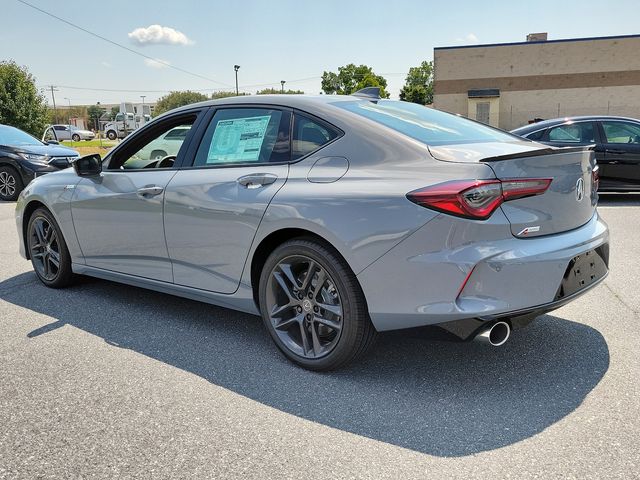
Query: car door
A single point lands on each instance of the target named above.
(214, 206)
(621, 165)
(62, 132)
(118, 215)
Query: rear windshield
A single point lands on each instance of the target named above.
(426, 125)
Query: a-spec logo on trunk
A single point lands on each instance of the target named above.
(579, 189)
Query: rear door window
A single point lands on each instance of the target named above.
(582, 132)
(238, 136)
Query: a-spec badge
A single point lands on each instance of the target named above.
(528, 230)
(579, 189)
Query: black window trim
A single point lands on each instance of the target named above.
(603, 133)
(195, 144)
(200, 114)
(189, 165)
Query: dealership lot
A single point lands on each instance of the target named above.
(107, 380)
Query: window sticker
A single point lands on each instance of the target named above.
(238, 139)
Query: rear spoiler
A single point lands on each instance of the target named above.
(539, 153)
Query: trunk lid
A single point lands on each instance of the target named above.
(568, 203)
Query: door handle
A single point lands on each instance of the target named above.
(150, 191)
(257, 180)
(615, 150)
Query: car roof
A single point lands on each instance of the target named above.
(557, 121)
(285, 100)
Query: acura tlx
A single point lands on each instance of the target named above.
(332, 217)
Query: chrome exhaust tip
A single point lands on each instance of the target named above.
(495, 335)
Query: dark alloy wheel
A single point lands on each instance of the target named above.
(313, 307)
(10, 184)
(48, 250)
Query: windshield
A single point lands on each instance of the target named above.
(13, 137)
(425, 124)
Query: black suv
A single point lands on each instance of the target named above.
(617, 141)
(23, 157)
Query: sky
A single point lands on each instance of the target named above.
(271, 40)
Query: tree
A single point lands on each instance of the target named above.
(225, 94)
(351, 78)
(177, 99)
(418, 86)
(95, 112)
(271, 91)
(21, 105)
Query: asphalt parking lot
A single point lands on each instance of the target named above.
(104, 381)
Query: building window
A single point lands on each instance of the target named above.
(482, 112)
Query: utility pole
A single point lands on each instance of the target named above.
(236, 68)
(69, 121)
(53, 97)
(282, 82)
(144, 119)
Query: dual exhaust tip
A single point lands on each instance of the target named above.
(495, 334)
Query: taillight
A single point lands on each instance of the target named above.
(595, 178)
(476, 199)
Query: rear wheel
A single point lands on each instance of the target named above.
(10, 184)
(49, 254)
(313, 306)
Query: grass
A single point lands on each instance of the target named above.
(90, 143)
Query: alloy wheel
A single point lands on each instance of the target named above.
(45, 248)
(7, 184)
(304, 306)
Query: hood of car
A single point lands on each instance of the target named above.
(50, 150)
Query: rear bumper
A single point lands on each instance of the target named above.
(452, 269)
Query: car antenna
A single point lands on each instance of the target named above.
(370, 93)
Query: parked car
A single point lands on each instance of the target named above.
(23, 157)
(333, 217)
(616, 140)
(67, 132)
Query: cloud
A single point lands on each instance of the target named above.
(158, 35)
(159, 63)
(468, 38)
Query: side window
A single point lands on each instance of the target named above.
(621, 132)
(535, 136)
(151, 150)
(309, 135)
(59, 127)
(582, 132)
(119, 117)
(245, 135)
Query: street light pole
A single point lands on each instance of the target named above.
(69, 120)
(282, 82)
(236, 68)
(144, 119)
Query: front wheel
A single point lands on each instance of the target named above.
(48, 251)
(75, 137)
(10, 184)
(111, 135)
(313, 306)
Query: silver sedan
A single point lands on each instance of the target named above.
(332, 217)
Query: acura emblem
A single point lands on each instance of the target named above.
(579, 189)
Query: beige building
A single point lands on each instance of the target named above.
(509, 85)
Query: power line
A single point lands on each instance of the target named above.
(131, 50)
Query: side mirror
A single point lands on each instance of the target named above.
(52, 142)
(88, 166)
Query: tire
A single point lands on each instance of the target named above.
(111, 135)
(44, 239)
(10, 184)
(75, 137)
(332, 340)
(157, 155)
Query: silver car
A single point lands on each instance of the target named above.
(67, 132)
(332, 217)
